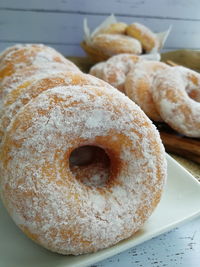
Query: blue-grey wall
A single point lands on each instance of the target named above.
(59, 22)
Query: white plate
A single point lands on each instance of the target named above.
(180, 202)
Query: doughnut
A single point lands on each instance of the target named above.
(30, 89)
(115, 69)
(82, 167)
(20, 56)
(47, 201)
(112, 44)
(138, 86)
(147, 38)
(192, 81)
(176, 95)
(113, 28)
(21, 62)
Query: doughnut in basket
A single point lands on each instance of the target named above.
(82, 167)
(112, 38)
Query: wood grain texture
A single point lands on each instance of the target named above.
(164, 9)
(186, 147)
(59, 23)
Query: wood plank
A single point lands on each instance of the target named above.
(180, 145)
(163, 8)
(64, 29)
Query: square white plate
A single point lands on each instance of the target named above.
(180, 202)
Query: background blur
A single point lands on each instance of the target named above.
(58, 23)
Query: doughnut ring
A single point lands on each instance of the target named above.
(176, 95)
(82, 167)
(138, 86)
(146, 37)
(44, 197)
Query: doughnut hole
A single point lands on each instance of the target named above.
(91, 165)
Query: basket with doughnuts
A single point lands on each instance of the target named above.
(82, 167)
(112, 37)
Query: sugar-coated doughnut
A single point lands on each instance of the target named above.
(20, 56)
(31, 88)
(147, 38)
(21, 62)
(112, 44)
(176, 94)
(115, 69)
(138, 86)
(82, 167)
(43, 196)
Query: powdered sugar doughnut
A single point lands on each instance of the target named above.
(112, 44)
(146, 37)
(17, 57)
(176, 95)
(31, 88)
(115, 69)
(138, 86)
(21, 63)
(44, 197)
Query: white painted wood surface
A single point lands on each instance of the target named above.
(177, 248)
(59, 22)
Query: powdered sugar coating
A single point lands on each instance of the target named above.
(115, 69)
(36, 84)
(18, 63)
(191, 80)
(19, 56)
(41, 194)
(175, 105)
